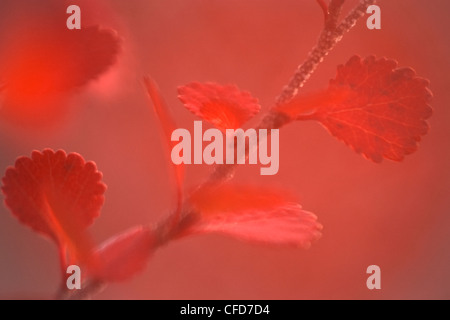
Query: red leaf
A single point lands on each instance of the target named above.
(50, 60)
(168, 126)
(375, 108)
(42, 64)
(125, 255)
(57, 195)
(254, 214)
(224, 106)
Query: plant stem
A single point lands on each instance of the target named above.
(329, 37)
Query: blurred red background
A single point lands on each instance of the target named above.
(394, 215)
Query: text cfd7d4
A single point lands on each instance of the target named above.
(246, 309)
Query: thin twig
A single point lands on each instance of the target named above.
(334, 11)
(329, 37)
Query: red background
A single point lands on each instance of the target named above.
(394, 215)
